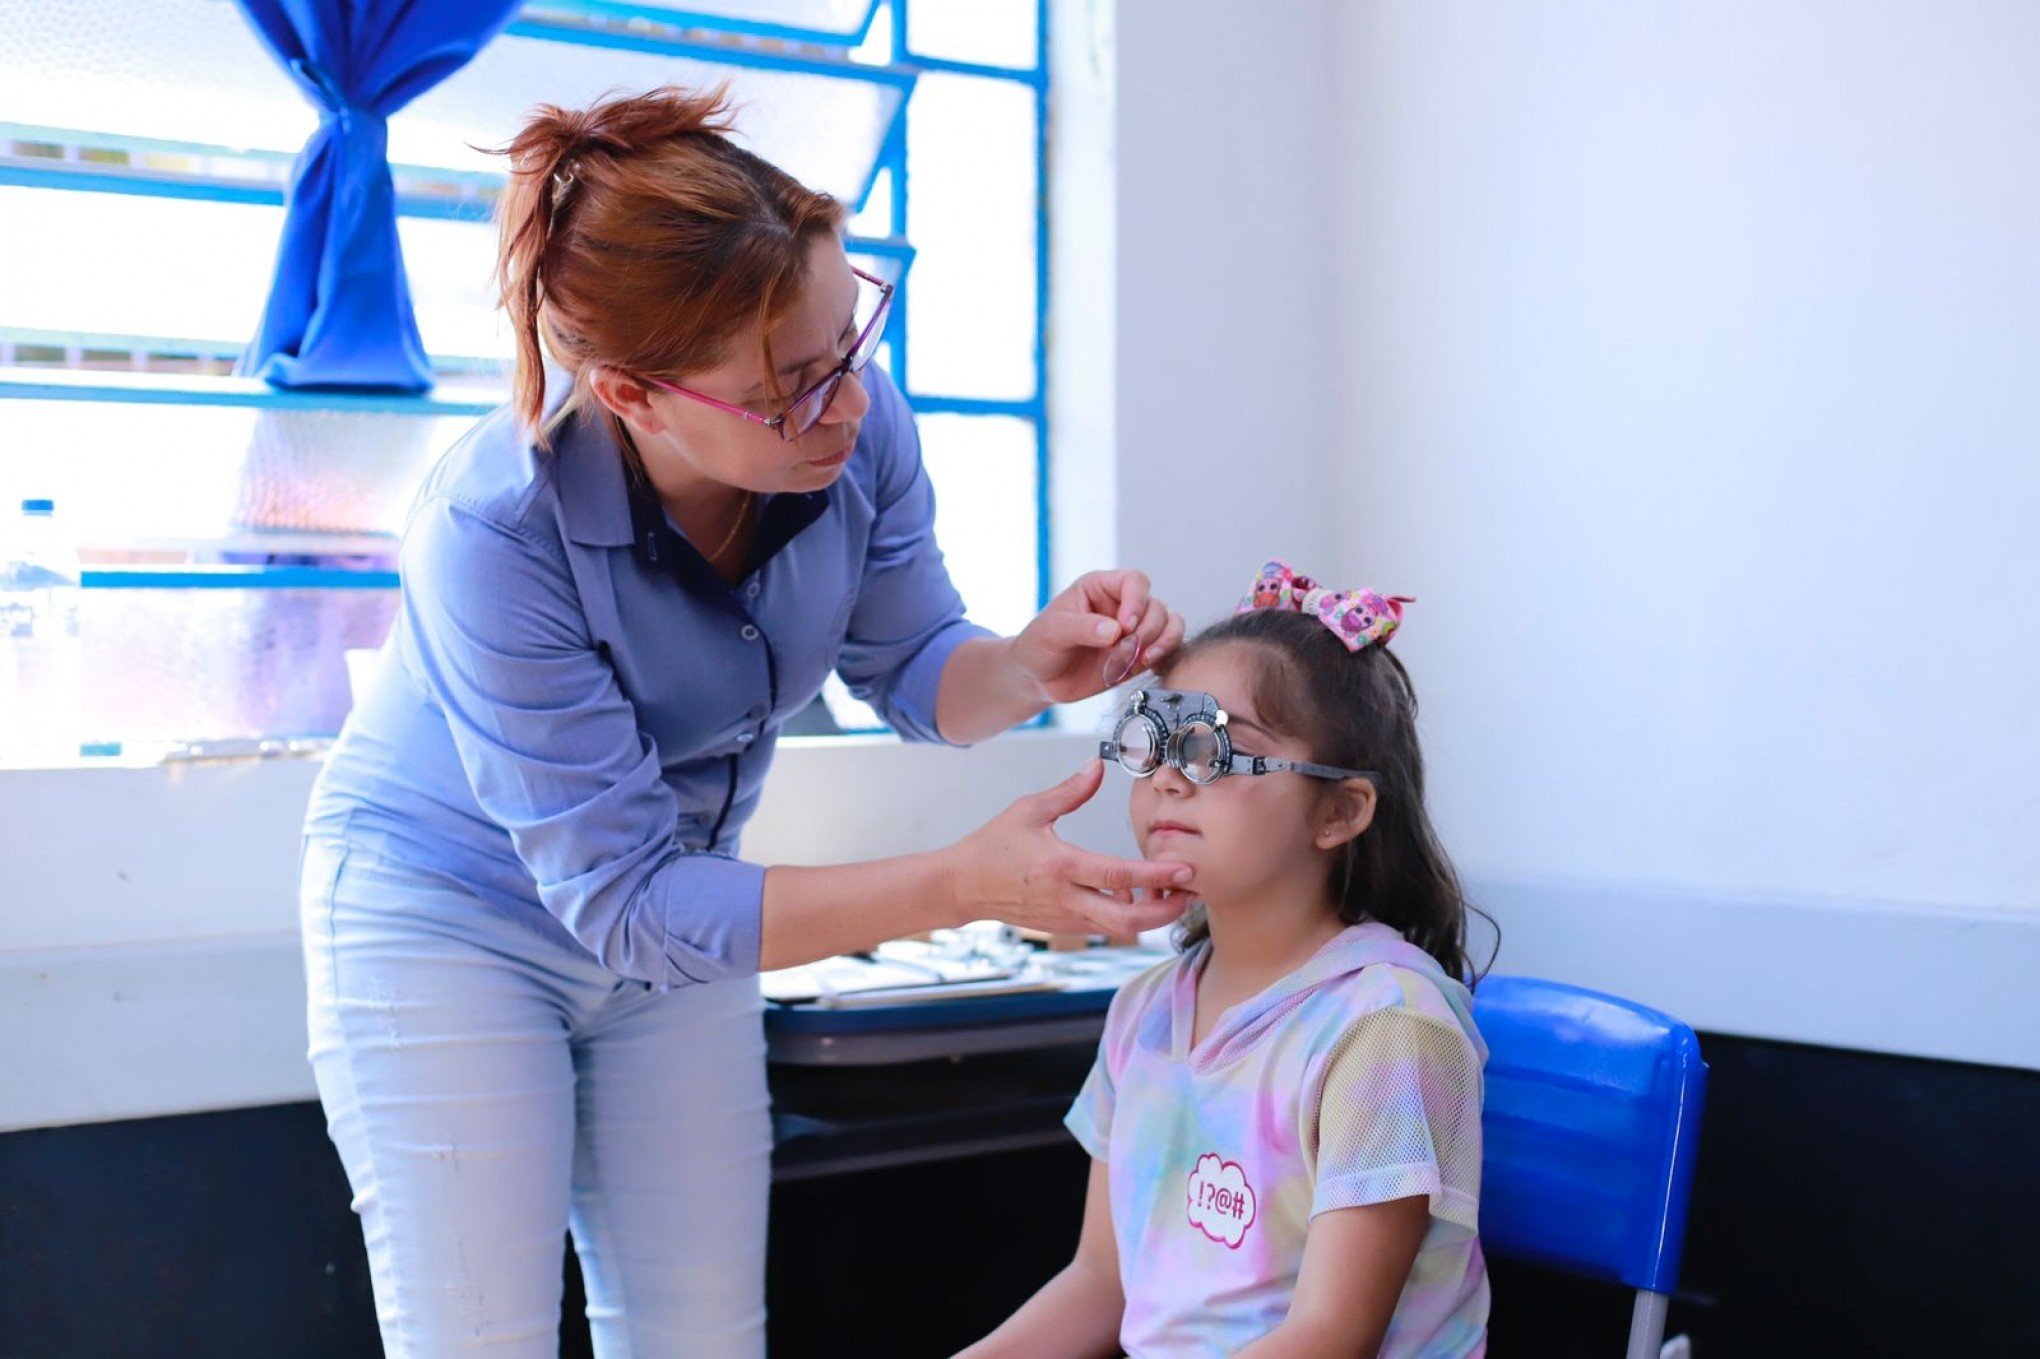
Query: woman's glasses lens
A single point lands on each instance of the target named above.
(804, 414)
(873, 301)
(874, 336)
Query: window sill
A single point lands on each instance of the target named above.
(168, 389)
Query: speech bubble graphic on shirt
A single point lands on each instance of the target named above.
(1222, 1204)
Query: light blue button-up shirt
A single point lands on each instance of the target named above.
(575, 714)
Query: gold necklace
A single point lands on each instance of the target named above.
(742, 510)
(636, 466)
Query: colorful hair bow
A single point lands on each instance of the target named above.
(1356, 617)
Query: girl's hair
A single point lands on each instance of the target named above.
(635, 234)
(1356, 710)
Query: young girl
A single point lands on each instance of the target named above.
(1285, 1119)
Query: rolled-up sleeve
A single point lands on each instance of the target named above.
(908, 618)
(552, 749)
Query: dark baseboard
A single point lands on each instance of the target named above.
(1849, 1204)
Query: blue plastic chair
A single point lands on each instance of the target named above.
(1591, 1122)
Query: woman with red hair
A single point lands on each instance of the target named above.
(529, 937)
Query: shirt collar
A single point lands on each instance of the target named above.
(594, 501)
(657, 544)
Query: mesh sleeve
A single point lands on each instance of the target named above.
(1398, 1115)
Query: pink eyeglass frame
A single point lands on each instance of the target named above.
(831, 380)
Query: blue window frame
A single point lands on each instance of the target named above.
(964, 178)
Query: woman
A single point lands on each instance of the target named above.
(528, 936)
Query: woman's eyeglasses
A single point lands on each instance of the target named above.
(806, 410)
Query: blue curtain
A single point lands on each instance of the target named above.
(339, 313)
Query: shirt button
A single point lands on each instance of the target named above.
(747, 738)
(749, 634)
(752, 589)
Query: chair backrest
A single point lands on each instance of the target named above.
(1592, 1118)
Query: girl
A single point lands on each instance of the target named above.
(1285, 1119)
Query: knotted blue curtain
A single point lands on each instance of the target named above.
(339, 312)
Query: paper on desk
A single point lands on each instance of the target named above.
(885, 974)
(907, 971)
(1026, 980)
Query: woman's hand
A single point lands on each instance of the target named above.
(1094, 634)
(1016, 869)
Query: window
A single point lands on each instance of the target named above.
(238, 538)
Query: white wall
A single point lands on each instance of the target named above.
(1693, 350)
(1679, 358)
(1083, 243)
(1225, 347)
(1692, 354)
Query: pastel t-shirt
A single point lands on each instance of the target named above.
(1354, 1080)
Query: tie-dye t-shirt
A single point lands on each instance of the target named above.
(1354, 1080)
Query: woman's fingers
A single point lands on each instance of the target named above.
(1170, 637)
(1050, 805)
(1149, 913)
(1064, 630)
(1133, 598)
(1121, 594)
(1105, 915)
(1103, 872)
(1153, 621)
(1018, 870)
(1122, 660)
(1112, 609)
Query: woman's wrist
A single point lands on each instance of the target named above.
(1029, 691)
(957, 898)
(812, 912)
(986, 690)
(1019, 695)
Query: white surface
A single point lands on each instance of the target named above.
(127, 857)
(168, 1027)
(1082, 364)
(1923, 981)
(1226, 391)
(1692, 348)
(1678, 358)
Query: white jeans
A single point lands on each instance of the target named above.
(488, 1089)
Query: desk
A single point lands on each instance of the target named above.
(865, 1087)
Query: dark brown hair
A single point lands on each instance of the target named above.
(1354, 710)
(635, 234)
